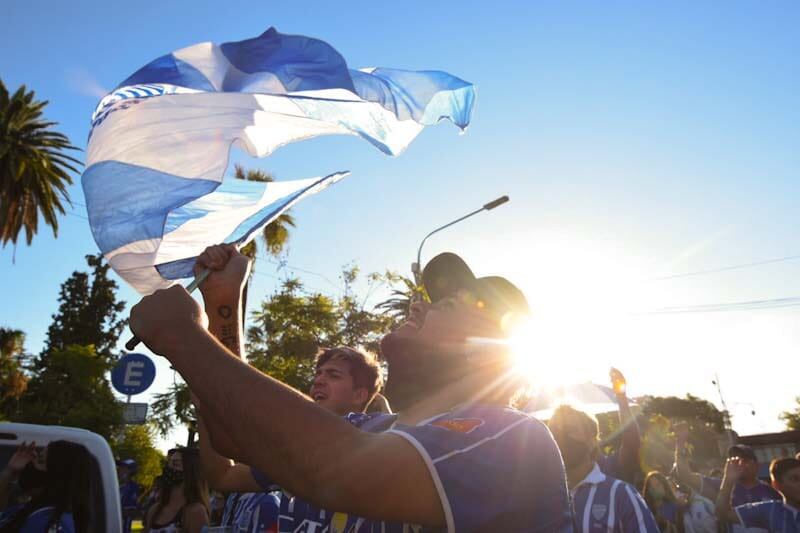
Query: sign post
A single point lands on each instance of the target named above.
(133, 374)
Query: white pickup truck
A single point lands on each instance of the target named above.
(106, 516)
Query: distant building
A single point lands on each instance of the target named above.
(769, 446)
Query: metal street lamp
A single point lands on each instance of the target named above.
(415, 267)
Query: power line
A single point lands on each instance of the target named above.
(726, 268)
(751, 305)
(75, 214)
(284, 264)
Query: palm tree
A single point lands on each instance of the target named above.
(174, 407)
(276, 233)
(398, 305)
(33, 167)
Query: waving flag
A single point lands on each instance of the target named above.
(159, 143)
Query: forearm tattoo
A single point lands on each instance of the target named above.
(229, 332)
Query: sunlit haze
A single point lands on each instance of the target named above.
(637, 142)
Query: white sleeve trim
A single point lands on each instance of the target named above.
(448, 511)
(636, 507)
(739, 515)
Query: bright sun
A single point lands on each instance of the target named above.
(581, 321)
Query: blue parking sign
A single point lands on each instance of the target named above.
(133, 374)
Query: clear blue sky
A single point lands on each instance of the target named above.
(635, 141)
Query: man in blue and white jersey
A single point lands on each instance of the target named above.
(747, 489)
(775, 516)
(601, 502)
(456, 458)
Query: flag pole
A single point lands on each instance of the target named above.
(134, 341)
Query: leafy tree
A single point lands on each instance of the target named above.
(292, 325)
(659, 414)
(33, 167)
(792, 418)
(275, 234)
(171, 408)
(137, 443)
(69, 384)
(70, 388)
(88, 313)
(289, 328)
(13, 381)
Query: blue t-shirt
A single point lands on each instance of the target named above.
(496, 469)
(252, 512)
(761, 492)
(774, 516)
(38, 520)
(741, 495)
(128, 496)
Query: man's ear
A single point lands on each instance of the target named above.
(776, 485)
(361, 396)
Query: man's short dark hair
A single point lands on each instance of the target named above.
(364, 367)
(780, 467)
(565, 413)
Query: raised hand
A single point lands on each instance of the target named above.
(163, 318)
(618, 382)
(25, 453)
(229, 272)
(733, 470)
(681, 430)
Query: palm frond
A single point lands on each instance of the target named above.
(34, 168)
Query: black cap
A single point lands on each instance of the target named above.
(447, 273)
(743, 451)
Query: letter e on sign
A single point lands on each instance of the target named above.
(133, 374)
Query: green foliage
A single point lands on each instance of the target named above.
(71, 389)
(33, 167)
(13, 381)
(690, 408)
(137, 443)
(171, 408)
(292, 325)
(398, 305)
(660, 414)
(792, 418)
(275, 235)
(69, 383)
(88, 313)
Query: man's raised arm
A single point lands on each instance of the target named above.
(222, 296)
(725, 511)
(305, 449)
(682, 468)
(631, 442)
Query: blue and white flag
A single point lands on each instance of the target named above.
(160, 142)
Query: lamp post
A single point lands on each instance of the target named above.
(415, 267)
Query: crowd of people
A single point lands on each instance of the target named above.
(437, 447)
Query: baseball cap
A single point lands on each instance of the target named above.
(130, 463)
(447, 274)
(743, 451)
